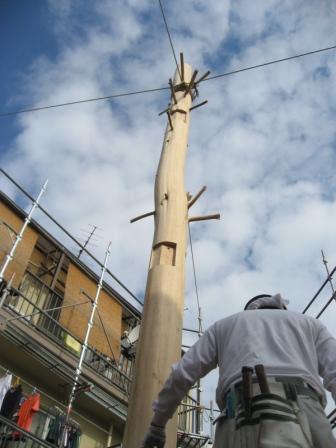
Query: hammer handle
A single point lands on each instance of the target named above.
(262, 379)
(247, 389)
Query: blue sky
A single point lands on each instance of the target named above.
(264, 145)
(26, 34)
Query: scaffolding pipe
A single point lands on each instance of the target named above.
(73, 239)
(320, 289)
(9, 257)
(85, 343)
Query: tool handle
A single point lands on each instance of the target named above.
(262, 379)
(247, 389)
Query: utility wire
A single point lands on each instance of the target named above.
(276, 61)
(170, 39)
(121, 95)
(72, 238)
(70, 103)
(195, 279)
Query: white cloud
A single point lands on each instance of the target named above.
(264, 145)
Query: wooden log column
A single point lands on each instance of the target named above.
(160, 339)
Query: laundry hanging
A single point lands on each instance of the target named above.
(11, 401)
(27, 410)
(5, 383)
(63, 433)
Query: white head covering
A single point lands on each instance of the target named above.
(276, 301)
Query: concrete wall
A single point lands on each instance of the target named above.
(24, 250)
(76, 319)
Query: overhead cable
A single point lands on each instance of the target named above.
(276, 61)
(88, 100)
(73, 239)
(138, 92)
(195, 281)
(170, 39)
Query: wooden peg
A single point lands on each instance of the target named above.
(170, 121)
(164, 111)
(145, 215)
(172, 90)
(202, 78)
(182, 66)
(191, 84)
(198, 105)
(193, 199)
(204, 218)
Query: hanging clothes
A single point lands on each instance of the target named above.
(5, 383)
(62, 433)
(11, 401)
(74, 438)
(46, 428)
(27, 410)
(54, 429)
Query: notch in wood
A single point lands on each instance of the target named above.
(182, 66)
(191, 84)
(198, 105)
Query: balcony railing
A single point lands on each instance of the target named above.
(32, 301)
(190, 416)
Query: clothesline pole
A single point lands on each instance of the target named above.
(85, 344)
(18, 239)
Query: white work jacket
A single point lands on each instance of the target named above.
(287, 343)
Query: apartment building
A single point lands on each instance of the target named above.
(44, 315)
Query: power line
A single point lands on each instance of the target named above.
(72, 238)
(70, 103)
(276, 61)
(121, 95)
(195, 279)
(170, 39)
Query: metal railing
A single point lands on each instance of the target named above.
(13, 435)
(189, 416)
(33, 300)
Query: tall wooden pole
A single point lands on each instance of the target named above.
(159, 344)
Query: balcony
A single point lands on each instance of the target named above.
(190, 424)
(34, 304)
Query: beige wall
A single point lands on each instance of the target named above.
(24, 250)
(76, 319)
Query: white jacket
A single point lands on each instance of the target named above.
(285, 342)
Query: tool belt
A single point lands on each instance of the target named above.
(286, 387)
(266, 412)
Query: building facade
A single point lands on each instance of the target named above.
(46, 301)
